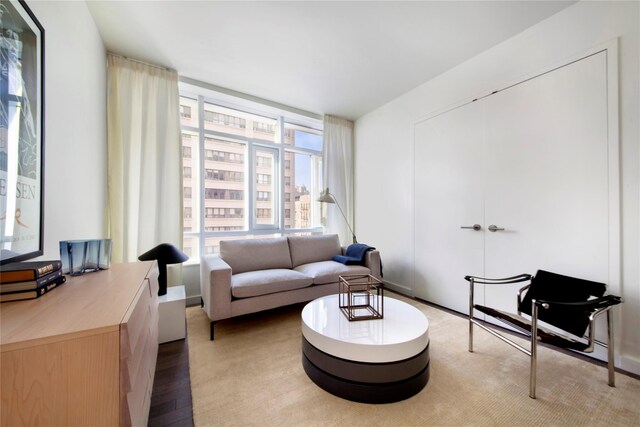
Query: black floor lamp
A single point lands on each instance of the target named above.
(165, 253)
(327, 197)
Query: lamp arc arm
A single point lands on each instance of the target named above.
(353, 235)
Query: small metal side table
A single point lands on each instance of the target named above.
(171, 315)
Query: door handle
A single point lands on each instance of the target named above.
(475, 227)
(493, 228)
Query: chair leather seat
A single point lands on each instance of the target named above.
(524, 325)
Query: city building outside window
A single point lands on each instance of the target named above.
(247, 175)
(264, 213)
(185, 112)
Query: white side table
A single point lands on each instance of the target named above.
(171, 315)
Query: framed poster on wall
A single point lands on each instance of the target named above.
(21, 132)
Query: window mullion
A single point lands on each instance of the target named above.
(251, 193)
(201, 201)
(281, 172)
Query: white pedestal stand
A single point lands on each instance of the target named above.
(171, 314)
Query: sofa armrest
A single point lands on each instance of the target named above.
(372, 262)
(215, 287)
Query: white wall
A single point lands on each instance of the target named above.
(75, 124)
(384, 143)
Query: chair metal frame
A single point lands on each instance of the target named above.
(596, 306)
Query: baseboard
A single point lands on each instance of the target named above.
(193, 300)
(630, 364)
(404, 290)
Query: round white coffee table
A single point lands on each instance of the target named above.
(373, 361)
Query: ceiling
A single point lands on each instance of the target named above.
(325, 57)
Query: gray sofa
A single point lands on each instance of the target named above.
(260, 274)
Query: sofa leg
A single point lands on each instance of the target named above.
(201, 303)
(212, 322)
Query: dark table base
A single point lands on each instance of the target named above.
(366, 382)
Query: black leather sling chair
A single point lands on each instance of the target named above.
(567, 303)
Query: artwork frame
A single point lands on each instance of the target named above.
(21, 133)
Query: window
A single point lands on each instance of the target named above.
(264, 213)
(223, 213)
(264, 127)
(185, 112)
(307, 169)
(188, 112)
(223, 194)
(303, 137)
(263, 162)
(235, 157)
(243, 177)
(222, 175)
(214, 119)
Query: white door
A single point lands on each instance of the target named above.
(449, 194)
(547, 177)
(532, 159)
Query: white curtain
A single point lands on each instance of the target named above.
(338, 175)
(144, 158)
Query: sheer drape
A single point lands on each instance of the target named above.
(338, 175)
(144, 158)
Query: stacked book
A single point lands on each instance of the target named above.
(29, 279)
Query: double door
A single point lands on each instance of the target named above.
(528, 167)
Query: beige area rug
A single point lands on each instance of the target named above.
(252, 375)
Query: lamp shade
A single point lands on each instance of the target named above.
(326, 197)
(164, 253)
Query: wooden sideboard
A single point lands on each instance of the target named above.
(83, 354)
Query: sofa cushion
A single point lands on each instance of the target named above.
(324, 272)
(307, 249)
(255, 254)
(255, 283)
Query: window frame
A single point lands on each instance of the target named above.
(251, 228)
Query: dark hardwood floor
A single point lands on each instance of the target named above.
(171, 396)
